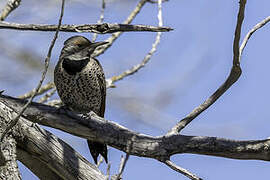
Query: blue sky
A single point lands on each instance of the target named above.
(190, 64)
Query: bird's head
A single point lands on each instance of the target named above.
(79, 47)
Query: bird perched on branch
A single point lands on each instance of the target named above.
(80, 83)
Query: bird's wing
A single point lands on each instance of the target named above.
(102, 85)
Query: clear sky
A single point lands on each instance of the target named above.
(191, 62)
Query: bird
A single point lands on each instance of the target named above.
(80, 82)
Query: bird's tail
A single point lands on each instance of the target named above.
(97, 148)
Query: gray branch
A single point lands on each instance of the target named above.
(160, 148)
(8, 165)
(39, 149)
(231, 79)
(94, 28)
(10, 6)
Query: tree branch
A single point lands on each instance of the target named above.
(39, 149)
(10, 6)
(160, 148)
(8, 164)
(47, 62)
(41, 90)
(95, 28)
(232, 78)
(101, 18)
(110, 82)
(249, 34)
(133, 14)
(180, 170)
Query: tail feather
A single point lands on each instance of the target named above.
(97, 148)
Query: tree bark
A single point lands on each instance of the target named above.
(160, 147)
(46, 155)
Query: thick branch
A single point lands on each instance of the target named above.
(56, 158)
(8, 164)
(95, 28)
(47, 62)
(147, 146)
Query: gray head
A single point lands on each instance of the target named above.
(79, 47)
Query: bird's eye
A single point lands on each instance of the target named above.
(79, 45)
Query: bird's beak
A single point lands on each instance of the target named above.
(96, 44)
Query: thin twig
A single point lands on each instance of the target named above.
(154, 2)
(41, 90)
(232, 78)
(124, 160)
(108, 171)
(83, 28)
(47, 62)
(134, 69)
(10, 6)
(249, 34)
(101, 159)
(181, 170)
(122, 166)
(133, 14)
(47, 96)
(55, 103)
(101, 19)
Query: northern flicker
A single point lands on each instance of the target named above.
(80, 83)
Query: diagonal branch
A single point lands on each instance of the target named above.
(10, 6)
(110, 82)
(249, 34)
(39, 149)
(95, 28)
(232, 78)
(133, 14)
(41, 90)
(180, 170)
(101, 19)
(47, 62)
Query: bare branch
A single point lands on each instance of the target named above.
(133, 14)
(232, 78)
(110, 82)
(108, 171)
(101, 160)
(122, 166)
(249, 34)
(8, 164)
(55, 103)
(153, 1)
(41, 90)
(39, 149)
(47, 62)
(124, 160)
(10, 6)
(47, 96)
(181, 170)
(95, 28)
(160, 147)
(101, 18)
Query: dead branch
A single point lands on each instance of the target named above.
(232, 78)
(95, 28)
(160, 147)
(10, 6)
